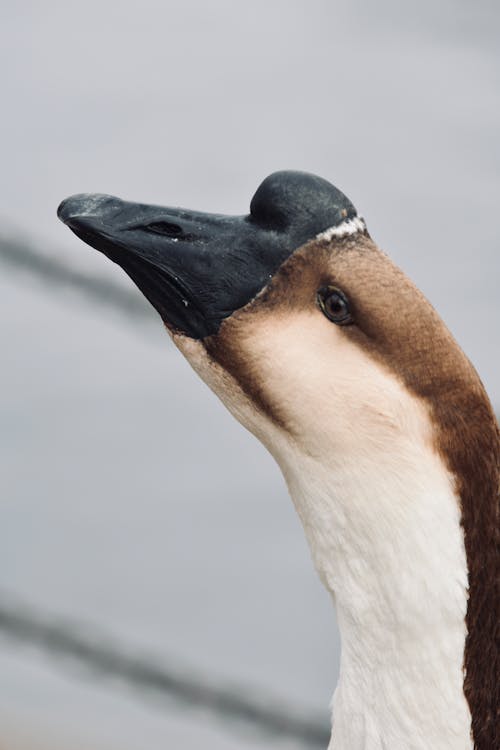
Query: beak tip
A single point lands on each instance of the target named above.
(62, 210)
(81, 205)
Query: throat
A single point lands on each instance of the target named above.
(389, 547)
(401, 682)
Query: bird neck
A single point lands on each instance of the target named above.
(387, 543)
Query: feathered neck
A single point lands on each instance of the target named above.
(385, 535)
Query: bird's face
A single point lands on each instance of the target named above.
(292, 315)
(318, 361)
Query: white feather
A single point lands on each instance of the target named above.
(350, 226)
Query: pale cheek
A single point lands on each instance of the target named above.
(334, 399)
(331, 393)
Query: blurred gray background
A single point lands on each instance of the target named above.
(131, 504)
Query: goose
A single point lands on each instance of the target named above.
(321, 347)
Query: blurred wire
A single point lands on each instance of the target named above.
(21, 257)
(102, 655)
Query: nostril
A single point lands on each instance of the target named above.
(166, 228)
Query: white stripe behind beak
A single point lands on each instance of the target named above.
(351, 226)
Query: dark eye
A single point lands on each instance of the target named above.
(334, 305)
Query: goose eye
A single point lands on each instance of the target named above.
(333, 303)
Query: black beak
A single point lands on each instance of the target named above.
(198, 268)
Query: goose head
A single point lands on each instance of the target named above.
(294, 317)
